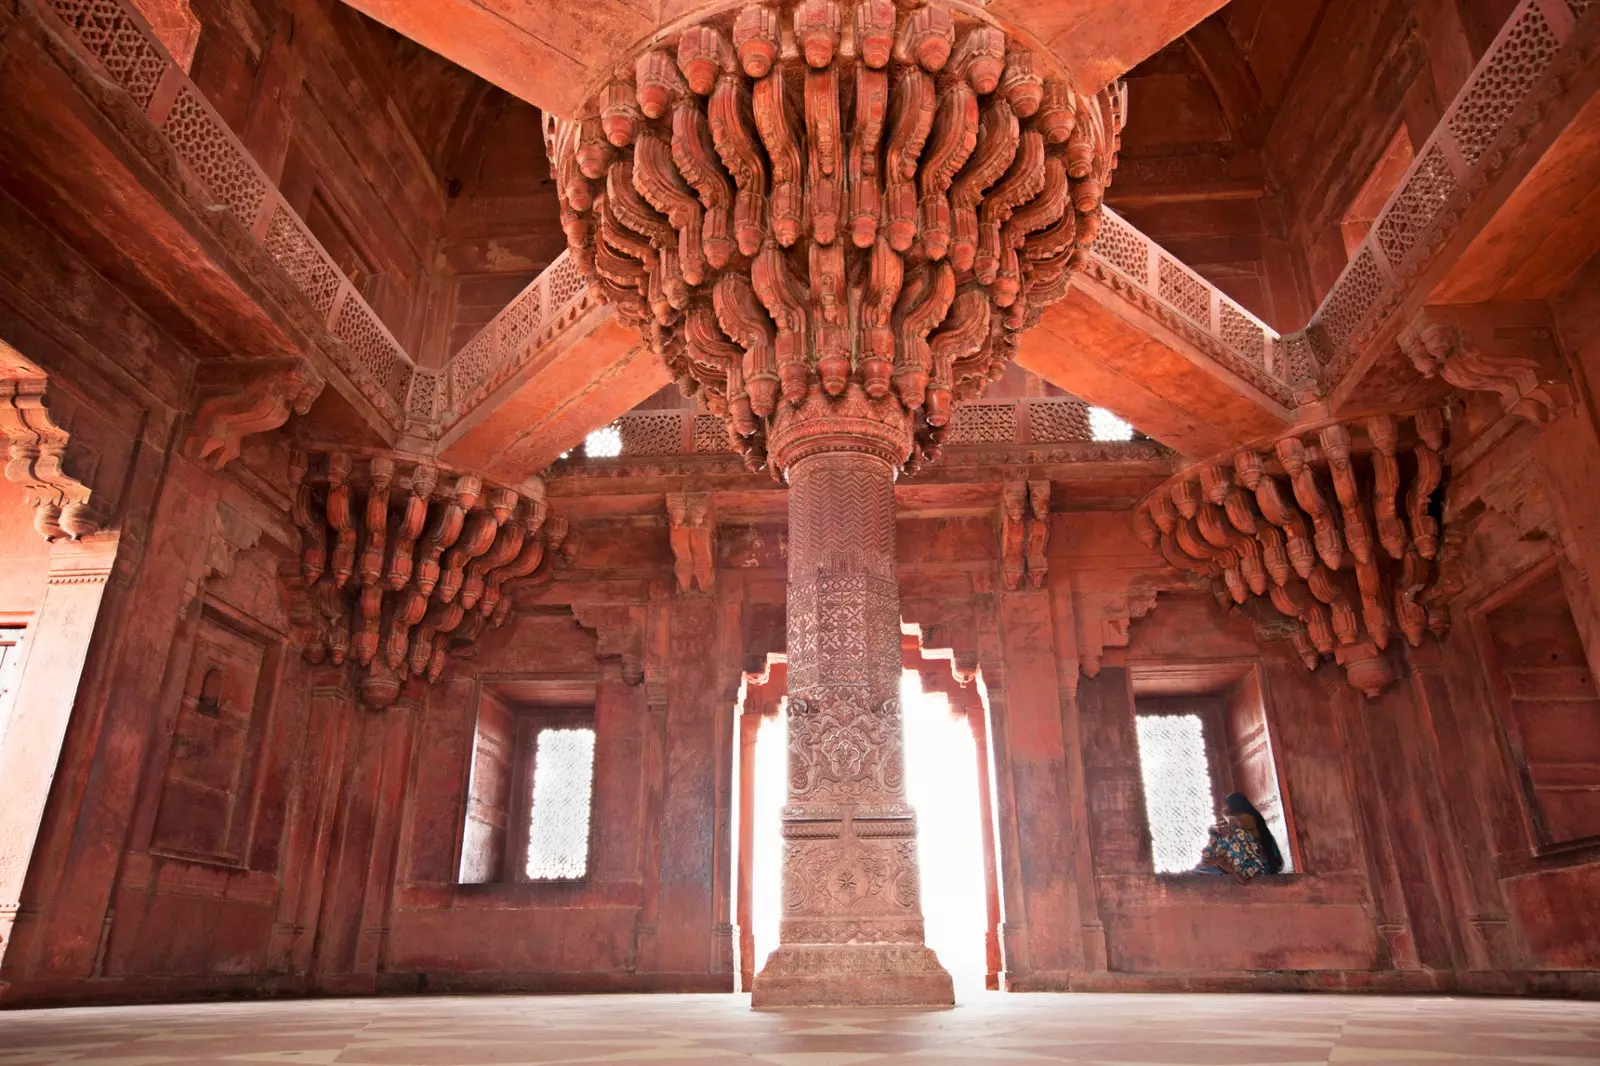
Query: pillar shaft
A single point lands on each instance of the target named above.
(851, 931)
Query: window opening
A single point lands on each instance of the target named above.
(1103, 425)
(1177, 788)
(563, 794)
(603, 443)
(942, 786)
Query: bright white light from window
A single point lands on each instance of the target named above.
(942, 786)
(603, 443)
(766, 875)
(563, 792)
(1103, 425)
(1177, 788)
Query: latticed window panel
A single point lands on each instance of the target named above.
(710, 435)
(983, 423)
(1177, 788)
(424, 394)
(203, 143)
(296, 253)
(1579, 7)
(470, 367)
(1430, 187)
(1053, 421)
(110, 34)
(563, 798)
(1185, 292)
(566, 282)
(1241, 334)
(1354, 294)
(1513, 68)
(651, 434)
(1295, 360)
(372, 347)
(1121, 246)
(520, 319)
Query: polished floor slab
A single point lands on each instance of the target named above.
(1116, 1030)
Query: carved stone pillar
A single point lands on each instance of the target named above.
(832, 222)
(851, 931)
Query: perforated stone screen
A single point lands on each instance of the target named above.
(1177, 788)
(563, 794)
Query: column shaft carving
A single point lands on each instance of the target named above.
(852, 929)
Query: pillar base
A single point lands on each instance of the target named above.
(852, 975)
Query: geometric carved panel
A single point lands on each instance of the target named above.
(206, 789)
(1549, 708)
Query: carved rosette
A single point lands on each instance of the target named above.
(1328, 536)
(401, 565)
(803, 198)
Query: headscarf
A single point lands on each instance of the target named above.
(1238, 803)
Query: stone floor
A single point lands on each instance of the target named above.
(711, 1030)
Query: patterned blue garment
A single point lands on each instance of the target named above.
(1236, 851)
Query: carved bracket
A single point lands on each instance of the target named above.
(1024, 532)
(693, 535)
(236, 402)
(400, 567)
(620, 629)
(37, 459)
(1328, 525)
(1453, 344)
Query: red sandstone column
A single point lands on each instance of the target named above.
(851, 931)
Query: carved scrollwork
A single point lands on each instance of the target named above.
(236, 402)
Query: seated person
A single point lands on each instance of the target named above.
(1240, 843)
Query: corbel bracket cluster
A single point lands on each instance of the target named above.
(38, 457)
(1334, 525)
(402, 564)
(1024, 533)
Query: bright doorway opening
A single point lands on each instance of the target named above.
(943, 784)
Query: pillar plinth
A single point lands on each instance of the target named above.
(851, 931)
